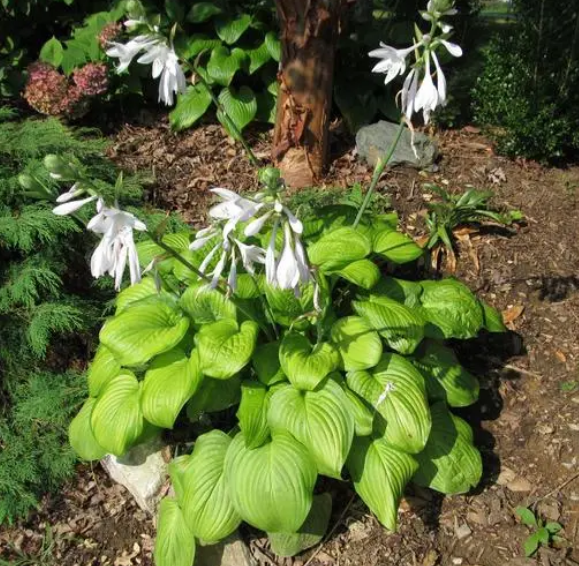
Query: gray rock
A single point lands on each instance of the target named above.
(143, 471)
(374, 141)
(229, 552)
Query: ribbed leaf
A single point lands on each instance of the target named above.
(396, 247)
(406, 292)
(225, 347)
(206, 504)
(319, 419)
(80, 434)
(143, 290)
(101, 370)
(450, 463)
(358, 343)
(117, 418)
(451, 309)
(363, 273)
(177, 470)
(395, 388)
(223, 64)
(175, 543)
(266, 363)
(304, 364)
(271, 486)
(380, 474)
(170, 381)
(309, 534)
(258, 57)
(338, 248)
(198, 43)
(493, 320)
(205, 305)
(203, 11)
(214, 395)
(401, 327)
(143, 331)
(273, 45)
(240, 107)
(252, 414)
(362, 412)
(230, 30)
(446, 380)
(191, 106)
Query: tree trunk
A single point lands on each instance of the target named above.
(309, 34)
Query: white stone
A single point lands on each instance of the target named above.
(229, 552)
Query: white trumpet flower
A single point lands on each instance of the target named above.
(126, 52)
(427, 98)
(165, 65)
(69, 206)
(393, 61)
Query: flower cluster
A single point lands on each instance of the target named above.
(92, 79)
(419, 93)
(109, 33)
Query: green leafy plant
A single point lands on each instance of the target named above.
(544, 533)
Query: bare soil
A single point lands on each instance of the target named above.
(526, 423)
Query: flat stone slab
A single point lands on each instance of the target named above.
(374, 141)
(229, 552)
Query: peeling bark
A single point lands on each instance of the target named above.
(309, 34)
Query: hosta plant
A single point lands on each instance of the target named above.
(293, 340)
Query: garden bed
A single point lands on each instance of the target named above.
(527, 421)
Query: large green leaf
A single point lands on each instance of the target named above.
(225, 347)
(240, 106)
(144, 330)
(304, 364)
(397, 247)
(396, 389)
(177, 469)
(450, 463)
(380, 473)
(401, 327)
(117, 418)
(191, 106)
(170, 381)
(101, 370)
(493, 318)
(143, 290)
(214, 395)
(362, 412)
(231, 29)
(205, 305)
(446, 380)
(451, 309)
(320, 420)
(206, 503)
(223, 64)
(252, 413)
(52, 52)
(358, 343)
(175, 543)
(271, 486)
(258, 57)
(198, 43)
(286, 307)
(406, 292)
(273, 45)
(266, 363)
(364, 273)
(80, 434)
(309, 534)
(336, 249)
(203, 11)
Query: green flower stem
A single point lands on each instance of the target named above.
(378, 170)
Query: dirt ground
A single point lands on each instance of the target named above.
(526, 423)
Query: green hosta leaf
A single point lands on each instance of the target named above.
(214, 395)
(142, 331)
(191, 106)
(397, 247)
(177, 469)
(266, 107)
(449, 463)
(338, 248)
(358, 343)
(240, 107)
(267, 365)
(203, 11)
(258, 57)
(493, 320)
(362, 412)
(395, 388)
(406, 292)
(380, 474)
(103, 368)
(286, 307)
(175, 543)
(80, 434)
(309, 534)
(446, 380)
(451, 309)
(223, 64)
(230, 30)
(170, 381)
(206, 503)
(363, 273)
(252, 414)
(271, 486)
(52, 52)
(273, 45)
(205, 305)
(198, 43)
(225, 347)
(143, 290)
(319, 419)
(175, 10)
(401, 327)
(117, 418)
(306, 365)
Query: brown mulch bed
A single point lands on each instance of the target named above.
(527, 421)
